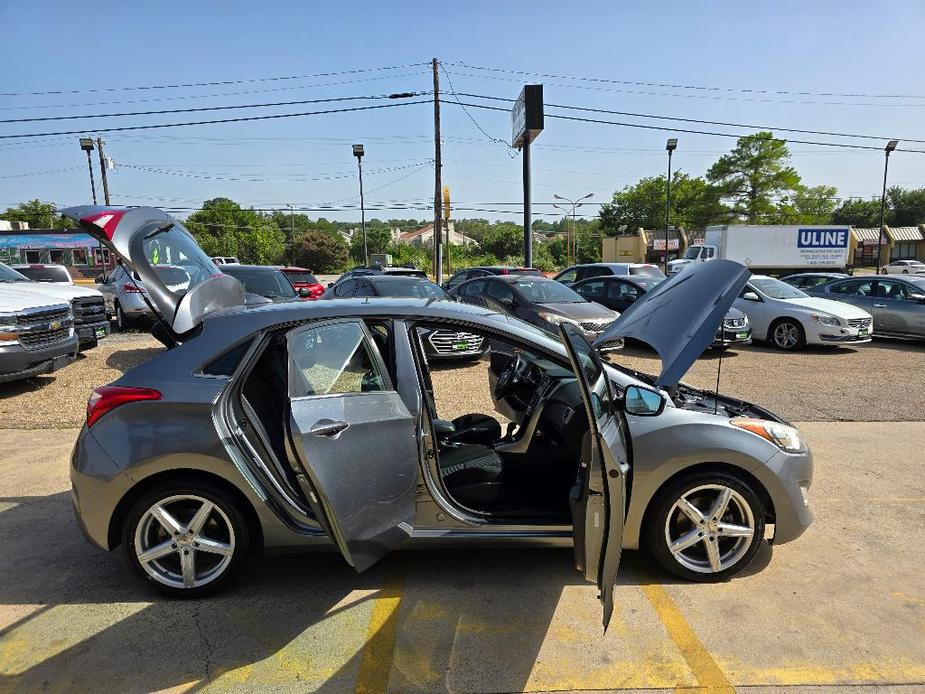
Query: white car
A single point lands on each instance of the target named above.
(226, 260)
(790, 319)
(89, 312)
(903, 267)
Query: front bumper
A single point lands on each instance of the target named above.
(733, 336)
(89, 334)
(820, 334)
(787, 477)
(17, 363)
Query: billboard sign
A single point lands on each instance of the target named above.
(659, 244)
(527, 115)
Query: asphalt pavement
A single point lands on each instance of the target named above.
(841, 609)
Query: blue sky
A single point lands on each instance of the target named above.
(831, 47)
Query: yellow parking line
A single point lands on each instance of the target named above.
(379, 649)
(710, 677)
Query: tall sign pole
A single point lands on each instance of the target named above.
(526, 124)
(99, 148)
(438, 187)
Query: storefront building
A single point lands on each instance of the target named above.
(645, 246)
(69, 247)
(898, 243)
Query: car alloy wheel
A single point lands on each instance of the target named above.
(710, 528)
(184, 541)
(121, 319)
(787, 335)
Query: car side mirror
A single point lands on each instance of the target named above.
(751, 296)
(98, 279)
(304, 293)
(917, 297)
(330, 284)
(642, 402)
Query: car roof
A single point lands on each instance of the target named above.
(394, 278)
(238, 266)
(818, 274)
(293, 268)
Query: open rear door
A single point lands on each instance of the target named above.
(354, 439)
(598, 498)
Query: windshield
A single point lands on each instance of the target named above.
(411, 287)
(266, 282)
(45, 273)
(776, 289)
(647, 271)
(691, 252)
(647, 283)
(301, 277)
(403, 273)
(8, 274)
(917, 281)
(176, 258)
(544, 291)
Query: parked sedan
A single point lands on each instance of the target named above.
(126, 298)
(577, 273)
(470, 273)
(281, 444)
(265, 281)
(897, 304)
(619, 293)
(808, 280)
(903, 267)
(790, 319)
(301, 278)
(537, 300)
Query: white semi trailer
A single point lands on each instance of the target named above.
(771, 249)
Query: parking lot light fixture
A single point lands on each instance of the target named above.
(358, 153)
(571, 240)
(86, 144)
(670, 147)
(890, 146)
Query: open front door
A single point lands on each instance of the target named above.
(354, 439)
(598, 498)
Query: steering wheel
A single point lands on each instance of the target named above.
(509, 377)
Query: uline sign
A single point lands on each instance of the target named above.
(822, 238)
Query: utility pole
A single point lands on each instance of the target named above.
(99, 147)
(890, 146)
(438, 183)
(291, 232)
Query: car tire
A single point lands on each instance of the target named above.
(666, 524)
(123, 322)
(883, 271)
(787, 334)
(223, 529)
(905, 272)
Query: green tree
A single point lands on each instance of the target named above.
(755, 172)
(503, 239)
(807, 205)
(223, 227)
(694, 204)
(38, 214)
(320, 251)
(859, 213)
(378, 238)
(907, 207)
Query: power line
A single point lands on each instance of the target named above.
(43, 173)
(661, 128)
(496, 140)
(214, 177)
(200, 109)
(703, 122)
(214, 122)
(662, 85)
(218, 83)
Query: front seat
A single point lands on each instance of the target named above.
(474, 475)
(479, 429)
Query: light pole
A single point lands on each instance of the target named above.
(575, 204)
(86, 144)
(670, 147)
(358, 153)
(890, 146)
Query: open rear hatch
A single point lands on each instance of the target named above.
(182, 282)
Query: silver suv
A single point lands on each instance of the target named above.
(125, 293)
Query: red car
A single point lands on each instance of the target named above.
(302, 278)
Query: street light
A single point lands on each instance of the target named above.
(358, 153)
(890, 146)
(670, 146)
(86, 144)
(575, 204)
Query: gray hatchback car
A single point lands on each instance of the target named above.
(306, 424)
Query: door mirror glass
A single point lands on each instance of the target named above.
(304, 293)
(642, 402)
(917, 297)
(750, 296)
(98, 279)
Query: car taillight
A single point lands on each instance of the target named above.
(130, 288)
(106, 398)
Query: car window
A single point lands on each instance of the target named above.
(898, 291)
(457, 279)
(266, 282)
(500, 292)
(776, 289)
(300, 277)
(346, 288)
(364, 288)
(595, 290)
(334, 358)
(647, 271)
(593, 271)
(624, 291)
(472, 288)
(568, 276)
(544, 291)
(852, 288)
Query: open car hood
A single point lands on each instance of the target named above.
(679, 318)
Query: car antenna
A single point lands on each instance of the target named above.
(719, 366)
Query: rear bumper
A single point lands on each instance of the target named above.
(89, 334)
(17, 363)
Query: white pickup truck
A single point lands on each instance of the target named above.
(771, 249)
(36, 334)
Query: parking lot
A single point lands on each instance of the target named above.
(844, 605)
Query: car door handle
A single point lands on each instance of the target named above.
(328, 427)
(879, 305)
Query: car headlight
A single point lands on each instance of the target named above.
(9, 333)
(824, 319)
(784, 437)
(553, 318)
